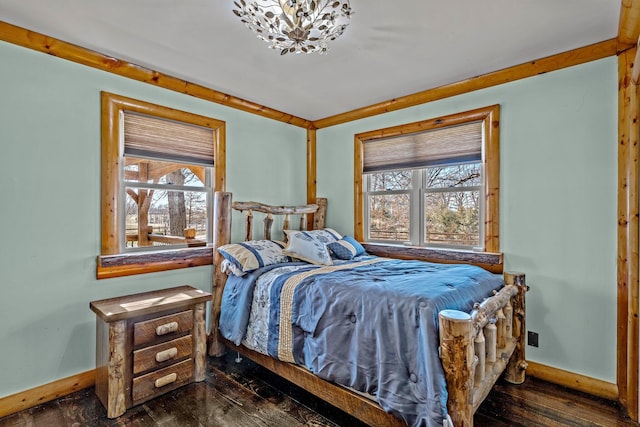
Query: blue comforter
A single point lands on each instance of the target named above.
(372, 325)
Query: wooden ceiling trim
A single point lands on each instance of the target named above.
(550, 63)
(629, 26)
(39, 42)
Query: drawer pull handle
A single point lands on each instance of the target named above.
(167, 379)
(167, 328)
(163, 356)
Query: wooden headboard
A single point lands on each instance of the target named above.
(313, 214)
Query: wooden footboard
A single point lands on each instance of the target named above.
(477, 347)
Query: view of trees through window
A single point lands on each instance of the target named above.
(450, 205)
(166, 203)
(389, 205)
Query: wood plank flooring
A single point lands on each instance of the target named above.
(246, 395)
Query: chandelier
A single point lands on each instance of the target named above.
(296, 25)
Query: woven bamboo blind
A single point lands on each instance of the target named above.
(148, 136)
(453, 144)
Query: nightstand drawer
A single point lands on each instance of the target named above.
(149, 385)
(161, 355)
(166, 327)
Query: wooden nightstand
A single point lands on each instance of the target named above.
(148, 344)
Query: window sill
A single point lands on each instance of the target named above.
(129, 264)
(490, 261)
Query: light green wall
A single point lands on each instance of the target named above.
(558, 197)
(50, 205)
(558, 203)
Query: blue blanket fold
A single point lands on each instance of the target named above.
(372, 327)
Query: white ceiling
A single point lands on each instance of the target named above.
(390, 49)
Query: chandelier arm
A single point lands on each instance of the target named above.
(284, 15)
(312, 22)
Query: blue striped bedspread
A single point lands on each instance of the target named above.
(370, 324)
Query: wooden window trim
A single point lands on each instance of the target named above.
(111, 261)
(490, 160)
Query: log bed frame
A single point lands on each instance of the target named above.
(476, 348)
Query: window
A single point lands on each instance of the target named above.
(160, 168)
(433, 183)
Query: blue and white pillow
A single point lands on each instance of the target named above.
(346, 248)
(325, 235)
(310, 246)
(252, 254)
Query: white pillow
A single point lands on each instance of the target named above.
(325, 235)
(308, 246)
(227, 267)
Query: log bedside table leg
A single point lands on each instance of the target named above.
(111, 373)
(199, 343)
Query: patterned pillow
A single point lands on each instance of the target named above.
(325, 235)
(309, 246)
(346, 248)
(252, 254)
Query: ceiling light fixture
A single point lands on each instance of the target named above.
(296, 25)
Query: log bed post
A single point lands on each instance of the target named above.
(515, 371)
(476, 348)
(320, 215)
(268, 222)
(456, 351)
(490, 331)
(248, 225)
(221, 236)
(480, 350)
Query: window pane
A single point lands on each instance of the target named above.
(452, 218)
(389, 181)
(131, 220)
(138, 169)
(389, 217)
(166, 215)
(465, 175)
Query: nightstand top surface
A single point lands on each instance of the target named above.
(129, 306)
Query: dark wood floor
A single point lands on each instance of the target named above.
(245, 395)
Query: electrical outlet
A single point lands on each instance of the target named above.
(532, 338)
